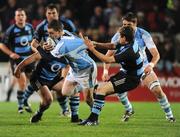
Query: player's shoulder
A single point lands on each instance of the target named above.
(10, 28)
(29, 26)
(143, 31)
(41, 25)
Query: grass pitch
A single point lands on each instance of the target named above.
(148, 121)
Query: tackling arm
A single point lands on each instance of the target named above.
(106, 66)
(104, 45)
(34, 57)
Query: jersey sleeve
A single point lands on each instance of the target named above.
(148, 40)
(7, 37)
(45, 55)
(38, 33)
(115, 38)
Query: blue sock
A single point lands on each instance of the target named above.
(125, 101)
(63, 102)
(74, 105)
(28, 92)
(166, 106)
(97, 106)
(20, 98)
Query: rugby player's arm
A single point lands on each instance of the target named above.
(152, 49)
(102, 57)
(65, 71)
(34, 43)
(106, 66)
(155, 56)
(32, 58)
(104, 45)
(99, 55)
(7, 51)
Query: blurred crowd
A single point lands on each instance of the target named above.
(100, 19)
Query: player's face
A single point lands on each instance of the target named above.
(54, 34)
(51, 14)
(20, 17)
(122, 40)
(129, 23)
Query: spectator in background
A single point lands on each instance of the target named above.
(167, 53)
(115, 18)
(141, 19)
(8, 14)
(108, 11)
(97, 19)
(66, 18)
(39, 16)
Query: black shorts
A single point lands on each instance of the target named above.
(27, 69)
(123, 82)
(36, 82)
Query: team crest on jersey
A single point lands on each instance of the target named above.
(24, 41)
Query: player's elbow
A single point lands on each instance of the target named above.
(157, 56)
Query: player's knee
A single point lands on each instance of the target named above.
(98, 89)
(66, 93)
(158, 91)
(22, 85)
(47, 100)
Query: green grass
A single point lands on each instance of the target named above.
(148, 121)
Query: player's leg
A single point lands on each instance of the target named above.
(88, 82)
(46, 100)
(152, 82)
(20, 93)
(10, 90)
(123, 98)
(88, 96)
(62, 100)
(74, 105)
(28, 92)
(29, 89)
(99, 101)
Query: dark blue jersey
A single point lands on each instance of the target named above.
(129, 58)
(49, 66)
(18, 39)
(41, 30)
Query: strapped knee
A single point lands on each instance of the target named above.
(154, 84)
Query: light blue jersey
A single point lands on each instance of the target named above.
(74, 50)
(143, 38)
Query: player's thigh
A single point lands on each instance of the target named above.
(150, 79)
(105, 88)
(45, 94)
(88, 93)
(22, 81)
(68, 87)
(58, 88)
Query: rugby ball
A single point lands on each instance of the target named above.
(51, 42)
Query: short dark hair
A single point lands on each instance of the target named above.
(20, 9)
(56, 25)
(131, 17)
(128, 33)
(52, 6)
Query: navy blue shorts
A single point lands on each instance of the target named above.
(123, 82)
(36, 82)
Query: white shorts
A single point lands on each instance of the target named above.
(85, 78)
